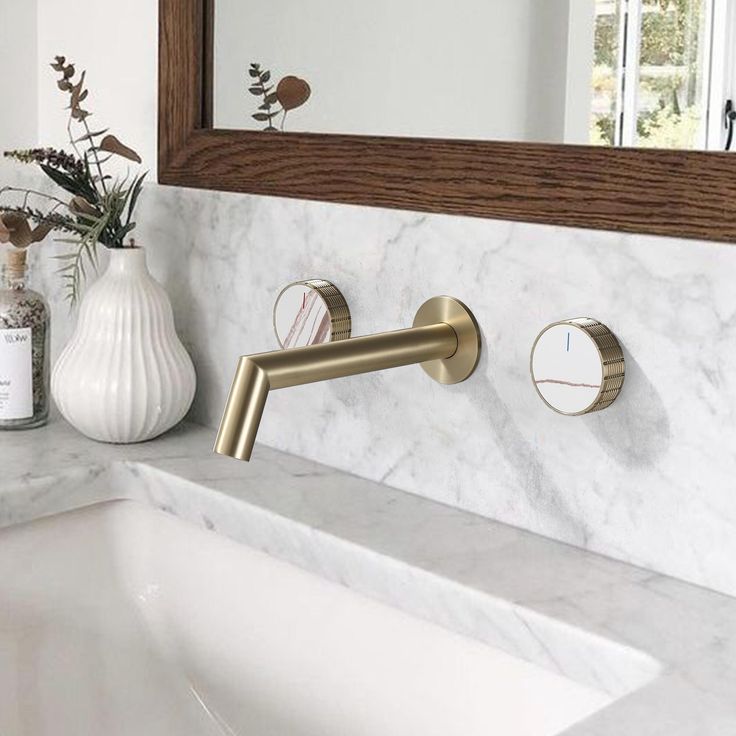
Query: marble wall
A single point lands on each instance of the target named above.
(650, 480)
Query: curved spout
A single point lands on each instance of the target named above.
(258, 374)
(243, 411)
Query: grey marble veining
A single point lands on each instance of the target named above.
(649, 480)
(664, 649)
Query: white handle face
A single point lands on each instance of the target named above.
(301, 317)
(567, 369)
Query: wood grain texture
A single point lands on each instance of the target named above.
(181, 75)
(672, 193)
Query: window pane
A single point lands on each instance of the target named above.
(670, 101)
(605, 72)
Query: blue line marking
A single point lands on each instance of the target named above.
(568, 342)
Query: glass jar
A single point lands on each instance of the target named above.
(24, 348)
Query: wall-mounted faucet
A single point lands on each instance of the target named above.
(445, 339)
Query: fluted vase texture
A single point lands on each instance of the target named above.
(124, 376)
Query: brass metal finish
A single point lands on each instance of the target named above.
(612, 360)
(341, 322)
(453, 312)
(426, 343)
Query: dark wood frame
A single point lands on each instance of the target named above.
(675, 193)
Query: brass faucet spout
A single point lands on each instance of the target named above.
(243, 411)
(258, 374)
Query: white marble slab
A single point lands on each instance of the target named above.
(664, 648)
(649, 480)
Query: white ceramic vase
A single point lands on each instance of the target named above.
(124, 376)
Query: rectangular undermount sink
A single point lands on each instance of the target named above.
(122, 620)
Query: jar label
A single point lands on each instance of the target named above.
(16, 374)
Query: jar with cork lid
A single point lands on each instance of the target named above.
(24, 347)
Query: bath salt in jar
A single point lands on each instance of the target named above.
(24, 348)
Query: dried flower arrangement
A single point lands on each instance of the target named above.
(100, 209)
(291, 92)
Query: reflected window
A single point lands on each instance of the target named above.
(662, 73)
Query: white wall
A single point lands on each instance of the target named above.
(117, 43)
(18, 60)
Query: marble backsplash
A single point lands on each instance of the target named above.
(652, 480)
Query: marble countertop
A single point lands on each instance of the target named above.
(665, 650)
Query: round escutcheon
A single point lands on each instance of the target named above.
(451, 311)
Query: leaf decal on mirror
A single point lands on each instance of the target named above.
(292, 92)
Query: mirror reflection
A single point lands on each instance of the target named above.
(643, 73)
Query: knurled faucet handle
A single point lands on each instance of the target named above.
(577, 366)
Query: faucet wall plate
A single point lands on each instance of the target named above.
(459, 366)
(577, 366)
(311, 312)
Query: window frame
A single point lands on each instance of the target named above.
(719, 73)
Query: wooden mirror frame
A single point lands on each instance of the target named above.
(675, 193)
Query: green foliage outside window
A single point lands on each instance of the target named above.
(670, 75)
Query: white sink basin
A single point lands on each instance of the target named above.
(119, 619)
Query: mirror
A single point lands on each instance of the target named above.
(577, 366)
(310, 313)
(487, 80)
(632, 73)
